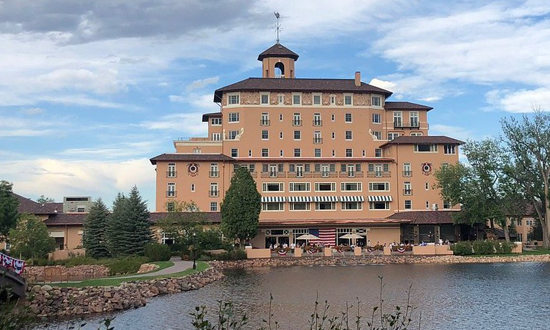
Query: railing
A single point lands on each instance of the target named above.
(296, 122)
(214, 174)
(171, 174)
(407, 173)
(213, 193)
(264, 122)
(318, 122)
(273, 175)
(317, 140)
(351, 174)
(400, 124)
(378, 174)
(407, 192)
(171, 193)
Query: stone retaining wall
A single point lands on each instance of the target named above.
(35, 274)
(48, 301)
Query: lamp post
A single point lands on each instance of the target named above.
(194, 250)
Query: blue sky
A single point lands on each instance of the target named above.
(90, 92)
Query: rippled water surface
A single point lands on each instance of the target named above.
(467, 296)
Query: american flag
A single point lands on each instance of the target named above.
(327, 236)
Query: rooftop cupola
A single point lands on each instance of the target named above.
(278, 62)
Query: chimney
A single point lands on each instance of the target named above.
(357, 78)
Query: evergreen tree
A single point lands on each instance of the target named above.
(94, 236)
(137, 228)
(241, 207)
(116, 237)
(8, 209)
(30, 239)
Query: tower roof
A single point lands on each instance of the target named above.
(278, 50)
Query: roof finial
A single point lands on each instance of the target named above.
(278, 25)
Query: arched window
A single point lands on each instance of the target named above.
(279, 70)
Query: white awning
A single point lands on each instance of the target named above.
(299, 199)
(325, 198)
(273, 199)
(380, 199)
(352, 199)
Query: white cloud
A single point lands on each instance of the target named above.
(187, 124)
(457, 132)
(387, 85)
(119, 151)
(33, 111)
(15, 126)
(521, 101)
(201, 83)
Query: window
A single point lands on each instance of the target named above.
(325, 206)
(349, 135)
(449, 149)
(213, 190)
(213, 206)
(427, 186)
(171, 190)
(281, 153)
(272, 186)
(447, 205)
(348, 117)
(297, 119)
(281, 99)
(413, 119)
(297, 152)
(332, 117)
(299, 206)
(377, 135)
(171, 170)
(379, 205)
(325, 186)
(408, 204)
(265, 135)
(280, 117)
(333, 153)
(376, 118)
(407, 191)
(350, 186)
(379, 186)
(216, 121)
(425, 147)
(376, 101)
(397, 119)
(378, 152)
(280, 135)
(297, 135)
(333, 135)
(233, 117)
(317, 137)
(214, 173)
(296, 99)
(216, 136)
(170, 206)
(264, 120)
(317, 119)
(273, 206)
(233, 99)
(392, 136)
(348, 99)
(332, 99)
(193, 187)
(234, 152)
(416, 133)
(427, 205)
(265, 152)
(232, 135)
(299, 186)
(352, 206)
(264, 98)
(249, 153)
(407, 169)
(317, 152)
(80, 209)
(316, 99)
(349, 153)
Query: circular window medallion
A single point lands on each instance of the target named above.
(193, 169)
(426, 168)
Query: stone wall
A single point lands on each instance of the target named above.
(34, 274)
(49, 301)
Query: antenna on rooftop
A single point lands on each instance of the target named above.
(278, 25)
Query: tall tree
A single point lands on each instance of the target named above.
(136, 224)
(30, 239)
(43, 199)
(529, 143)
(116, 236)
(181, 223)
(8, 209)
(94, 236)
(241, 207)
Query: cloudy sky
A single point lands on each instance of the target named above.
(90, 91)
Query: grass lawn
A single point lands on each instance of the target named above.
(533, 252)
(537, 252)
(109, 281)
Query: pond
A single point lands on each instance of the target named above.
(456, 296)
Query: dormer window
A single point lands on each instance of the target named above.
(233, 99)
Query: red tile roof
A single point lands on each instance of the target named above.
(66, 219)
(278, 50)
(211, 114)
(330, 222)
(27, 205)
(429, 139)
(424, 217)
(192, 158)
(405, 106)
(299, 85)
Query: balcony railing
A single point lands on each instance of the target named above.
(171, 174)
(264, 122)
(407, 192)
(317, 140)
(213, 193)
(214, 174)
(296, 122)
(317, 122)
(378, 174)
(351, 174)
(407, 173)
(171, 193)
(401, 124)
(273, 175)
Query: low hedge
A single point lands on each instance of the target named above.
(462, 248)
(482, 248)
(157, 252)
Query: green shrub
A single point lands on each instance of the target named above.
(504, 247)
(484, 247)
(78, 260)
(462, 248)
(211, 240)
(127, 265)
(158, 252)
(236, 254)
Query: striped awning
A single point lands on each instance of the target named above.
(380, 199)
(273, 199)
(325, 198)
(299, 199)
(352, 199)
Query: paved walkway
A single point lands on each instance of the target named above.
(179, 266)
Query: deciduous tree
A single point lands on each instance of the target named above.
(30, 239)
(8, 209)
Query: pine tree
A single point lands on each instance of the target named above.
(136, 224)
(116, 237)
(241, 207)
(8, 209)
(94, 236)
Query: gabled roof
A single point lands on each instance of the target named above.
(405, 106)
(27, 205)
(424, 217)
(278, 50)
(299, 85)
(429, 139)
(209, 115)
(192, 158)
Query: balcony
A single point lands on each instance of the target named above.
(407, 173)
(265, 122)
(213, 193)
(415, 124)
(171, 193)
(317, 140)
(317, 122)
(407, 192)
(296, 122)
(299, 175)
(351, 174)
(171, 174)
(214, 174)
(272, 174)
(378, 174)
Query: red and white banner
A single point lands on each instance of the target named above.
(8, 262)
(327, 237)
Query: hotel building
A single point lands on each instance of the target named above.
(329, 157)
